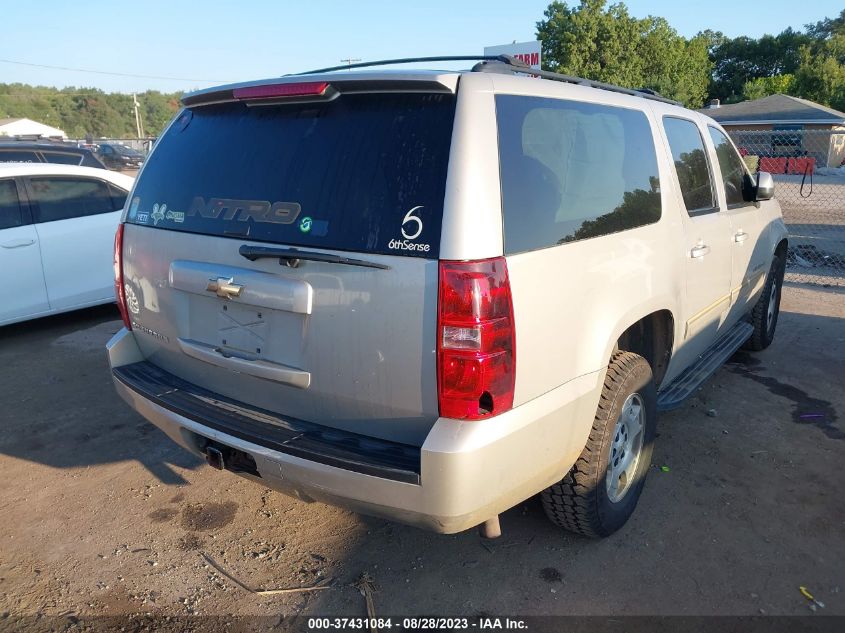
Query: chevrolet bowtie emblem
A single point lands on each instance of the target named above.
(224, 287)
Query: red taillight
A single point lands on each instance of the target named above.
(304, 89)
(119, 290)
(476, 350)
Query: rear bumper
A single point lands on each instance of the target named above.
(467, 472)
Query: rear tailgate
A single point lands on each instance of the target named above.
(357, 176)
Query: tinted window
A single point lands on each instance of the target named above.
(358, 173)
(10, 208)
(63, 198)
(64, 158)
(118, 196)
(572, 171)
(17, 156)
(731, 166)
(89, 160)
(691, 163)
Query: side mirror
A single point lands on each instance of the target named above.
(765, 189)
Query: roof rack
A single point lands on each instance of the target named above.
(504, 64)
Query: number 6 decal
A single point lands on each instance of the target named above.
(410, 217)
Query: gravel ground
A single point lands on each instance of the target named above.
(100, 515)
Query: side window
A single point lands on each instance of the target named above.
(572, 171)
(691, 164)
(731, 166)
(61, 198)
(89, 160)
(17, 156)
(63, 158)
(10, 207)
(106, 149)
(118, 197)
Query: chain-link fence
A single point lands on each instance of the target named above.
(809, 172)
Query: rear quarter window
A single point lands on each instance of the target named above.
(362, 172)
(573, 171)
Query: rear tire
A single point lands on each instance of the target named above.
(764, 316)
(600, 493)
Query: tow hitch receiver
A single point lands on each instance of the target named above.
(214, 458)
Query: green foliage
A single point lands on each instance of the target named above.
(610, 45)
(821, 75)
(765, 86)
(81, 111)
(741, 60)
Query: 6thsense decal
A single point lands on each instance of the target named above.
(412, 228)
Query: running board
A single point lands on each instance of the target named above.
(673, 395)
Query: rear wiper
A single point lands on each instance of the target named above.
(291, 257)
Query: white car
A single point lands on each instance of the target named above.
(57, 226)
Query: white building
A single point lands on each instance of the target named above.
(28, 127)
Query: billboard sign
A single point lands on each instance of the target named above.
(528, 52)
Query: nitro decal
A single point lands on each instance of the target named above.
(243, 210)
(412, 228)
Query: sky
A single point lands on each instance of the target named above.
(182, 46)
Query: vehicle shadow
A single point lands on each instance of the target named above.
(59, 407)
(717, 491)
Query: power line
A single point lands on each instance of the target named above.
(105, 72)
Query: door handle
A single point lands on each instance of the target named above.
(699, 251)
(740, 236)
(17, 243)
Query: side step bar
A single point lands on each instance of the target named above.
(673, 395)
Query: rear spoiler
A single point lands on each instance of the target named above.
(295, 90)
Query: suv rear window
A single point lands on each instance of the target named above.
(572, 171)
(362, 172)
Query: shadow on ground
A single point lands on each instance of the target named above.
(59, 405)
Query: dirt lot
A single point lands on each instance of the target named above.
(101, 515)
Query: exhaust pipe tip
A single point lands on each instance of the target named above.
(491, 528)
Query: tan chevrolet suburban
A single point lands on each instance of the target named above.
(430, 295)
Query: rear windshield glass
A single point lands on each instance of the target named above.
(358, 173)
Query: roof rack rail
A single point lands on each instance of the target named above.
(409, 60)
(500, 64)
(513, 65)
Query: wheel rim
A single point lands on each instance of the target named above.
(773, 306)
(625, 448)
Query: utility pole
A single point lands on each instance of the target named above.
(135, 105)
(351, 60)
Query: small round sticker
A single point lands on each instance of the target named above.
(305, 224)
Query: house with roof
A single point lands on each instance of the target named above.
(780, 127)
(27, 127)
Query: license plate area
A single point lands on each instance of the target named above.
(242, 328)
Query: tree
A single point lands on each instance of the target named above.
(610, 45)
(821, 75)
(81, 111)
(743, 59)
(765, 86)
